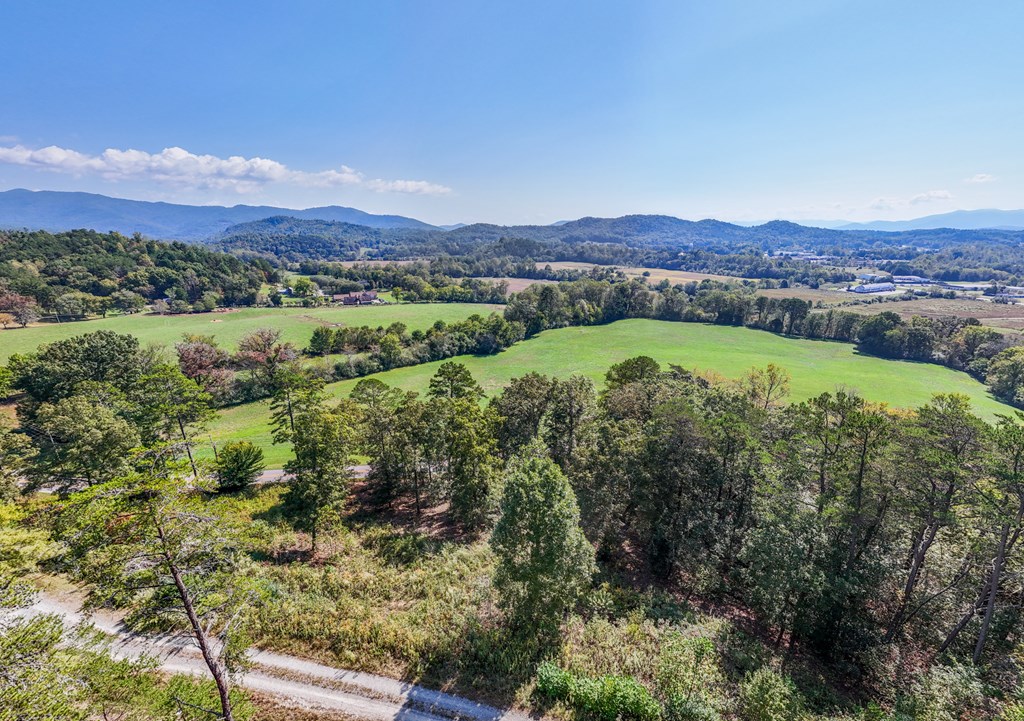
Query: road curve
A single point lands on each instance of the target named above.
(293, 680)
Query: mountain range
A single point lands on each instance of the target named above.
(54, 211)
(335, 229)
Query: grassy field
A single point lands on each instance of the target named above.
(816, 367)
(654, 275)
(1003, 316)
(296, 324)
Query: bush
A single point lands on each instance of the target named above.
(768, 696)
(689, 709)
(1012, 712)
(943, 693)
(688, 668)
(238, 465)
(553, 682)
(606, 697)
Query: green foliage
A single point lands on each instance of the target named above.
(84, 266)
(943, 693)
(766, 695)
(453, 380)
(238, 465)
(544, 560)
(679, 708)
(688, 671)
(607, 698)
(85, 442)
(322, 444)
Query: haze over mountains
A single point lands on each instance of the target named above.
(279, 227)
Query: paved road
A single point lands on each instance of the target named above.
(278, 476)
(294, 680)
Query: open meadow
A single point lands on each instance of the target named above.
(296, 324)
(816, 366)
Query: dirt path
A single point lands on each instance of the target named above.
(293, 680)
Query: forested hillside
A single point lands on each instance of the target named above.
(83, 271)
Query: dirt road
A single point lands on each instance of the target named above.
(292, 680)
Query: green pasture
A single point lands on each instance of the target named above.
(295, 324)
(816, 366)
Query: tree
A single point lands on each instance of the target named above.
(519, 409)
(322, 446)
(127, 301)
(464, 448)
(56, 370)
(295, 388)
(632, 370)
(148, 543)
(33, 681)
(261, 353)
(766, 387)
(544, 561)
(170, 406)
(569, 415)
(238, 465)
(16, 457)
(6, 319)
(453, 380)
(200, 359)
(1005, 376)
(321, 342)
(85, 443)
(384, 418)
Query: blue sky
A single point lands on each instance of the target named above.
(522, 112)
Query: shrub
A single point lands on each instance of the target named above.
(238, 465)
(1012, 712)
(943, 693)
(768, 696)
(688, 668)
(553, 681)
(678, 708)
(606, 697)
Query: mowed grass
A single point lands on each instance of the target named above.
(815, 367)
(296, 324)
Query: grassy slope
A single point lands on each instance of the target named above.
(296, 324)
(816, 366)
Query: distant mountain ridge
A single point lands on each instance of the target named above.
(297, 239)
(960, 219)
(56, 210)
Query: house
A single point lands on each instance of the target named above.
(874, 288)
(363, 298)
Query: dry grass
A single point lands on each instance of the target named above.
(820, 295)
(656, 274)
(1008, 317)
(516, 284)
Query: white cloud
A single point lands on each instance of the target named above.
(980, 178)
(919, 199)
(930, 196)
(177, 166)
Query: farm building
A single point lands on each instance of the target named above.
(911, 279)
(363, 298)
(874, 288)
